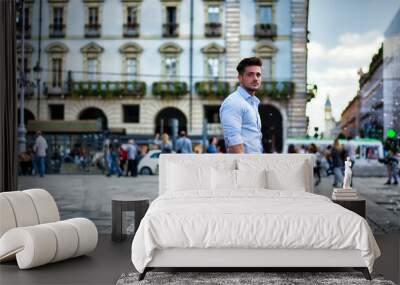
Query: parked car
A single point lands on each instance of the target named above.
(148, 165)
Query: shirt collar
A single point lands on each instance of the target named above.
(246, 95)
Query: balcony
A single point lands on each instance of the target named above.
(27, 31)
(55, 91)
(265, 30)
(92, 30)
(170, 89)
(213, 29)
(131, 30)
(212, 89)
(276, 90)
(57, 31)
(107, 89)
(170, 30)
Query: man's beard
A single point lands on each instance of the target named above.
(252, 88)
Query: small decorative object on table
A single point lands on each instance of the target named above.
(347, 197)
(346, 193)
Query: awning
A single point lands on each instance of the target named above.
(78, 126)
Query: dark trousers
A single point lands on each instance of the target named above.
(132, 167)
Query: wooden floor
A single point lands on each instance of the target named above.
(111, 259)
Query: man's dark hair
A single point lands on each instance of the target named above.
(248, 61)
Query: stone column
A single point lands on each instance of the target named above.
(232, 39)
(297, 106)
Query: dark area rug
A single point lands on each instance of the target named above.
(228, 278)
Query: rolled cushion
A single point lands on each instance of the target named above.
(46, 207)
(37, 245)
(67, 240)
(23, 208)
(7, 218)
(87, 233)
(33, 246)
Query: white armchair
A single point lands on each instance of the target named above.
(31, 230)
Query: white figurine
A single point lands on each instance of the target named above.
(347, 174)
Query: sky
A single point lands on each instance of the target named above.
(344, 35)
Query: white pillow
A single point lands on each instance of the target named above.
(183, 178)
(251, 178)
(278, 179)
(282, 174)
(224, 179)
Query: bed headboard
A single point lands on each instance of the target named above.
(211, 159)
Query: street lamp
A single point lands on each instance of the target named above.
(22, 84)
(38, 76)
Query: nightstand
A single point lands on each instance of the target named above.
(358, 206)
(122, 204)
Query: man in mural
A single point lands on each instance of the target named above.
(241, 123)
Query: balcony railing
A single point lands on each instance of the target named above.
(27, 31)
(212, 89)
(92, 30)
(170, 89)
(213, 29)
(265, 30)
(107, 89)
(170, 30)
(57, 31)
(50, 90)
(131, 30)
(276, 90)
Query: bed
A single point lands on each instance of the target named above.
(246, 211)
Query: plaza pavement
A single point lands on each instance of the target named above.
(90, 196)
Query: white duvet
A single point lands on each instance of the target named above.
(253, 218)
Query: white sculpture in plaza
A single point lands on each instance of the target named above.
(347, 174)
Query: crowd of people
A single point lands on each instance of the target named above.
(330, 160)
(122, 159)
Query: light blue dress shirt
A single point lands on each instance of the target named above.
(240, 120)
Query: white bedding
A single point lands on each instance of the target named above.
(251, 218)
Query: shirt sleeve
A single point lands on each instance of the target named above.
(231, 121)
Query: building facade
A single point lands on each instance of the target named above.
(391, 76)
(371, 98)
(350, 118)
(128, 62)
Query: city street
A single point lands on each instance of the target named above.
(90, 196)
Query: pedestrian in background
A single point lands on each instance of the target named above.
(292, 149)
(132, 152)
(212, 145)
(166, 145)
(156, 142)
(392, 167)
(183, 143)
(337, 155)
(313, 149)
(40, 149)
(123, 157)
(113, 156)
